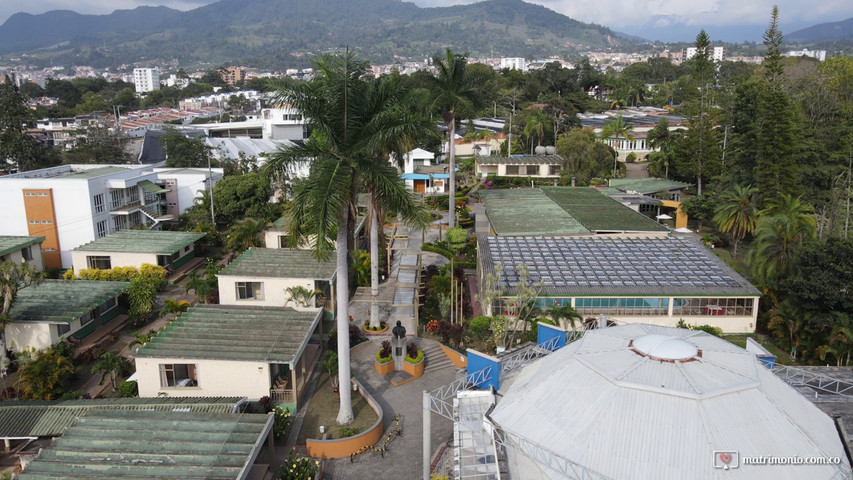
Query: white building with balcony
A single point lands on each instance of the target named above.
(146, 79)
(70, 205)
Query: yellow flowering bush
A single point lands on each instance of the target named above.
(298, 468)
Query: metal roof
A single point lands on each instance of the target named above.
(561, 211)
(114, 444)
(280, 263)
(89, 173)
(584, 266)
(219, 332)
(142, 241)
(621, 414)
(528, 211)
(600, 213)
(521, 159)
(232, 148)
(9, 244)
(50, 419)
(62, 301)
(647, 186)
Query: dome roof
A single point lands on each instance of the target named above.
(642, 401)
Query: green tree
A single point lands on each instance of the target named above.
(174, 307)
(300, 296)
(184, 151)
(111, 365)
(206, 285)
(583, 157)
(535, 126)
(238, 196)
(736, 213)
(45, 377)
(772, 65)
(142, 296)
(661, 140)
(18, 150)
(700, 208)
(247, 233)
(822, 276)
(615, 129)
(565, 313)
(353, 118)
(455, 92)
(782, 228)
(13, 277)
(100, 144)
(91, 103)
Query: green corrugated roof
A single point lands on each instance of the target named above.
(142, 241)
(528, 211)
(281, 263)
(220, 332)
(62, 301)
(94, 172)
(646, 186)
(600, 213)
(115, 444)
(50, 419)
(151, 187)
(9, 244)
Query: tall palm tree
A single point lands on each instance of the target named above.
(736, 214)
(782, 228)
(615, 129)
(535, 126)
(173, 306)
(247, 233)
(660, 139)
(455, 91)
(13, 277)
(353, 120)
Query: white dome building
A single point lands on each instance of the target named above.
(649, 402)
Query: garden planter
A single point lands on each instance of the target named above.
(414, 369)
(367, 331)
(383, 368)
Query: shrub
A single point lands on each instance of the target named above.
(419, 355)
(456, 334)
(349, 431)
(356, 336)
(297, 467)
(412, 349)
(384, 354)
(265, 403)
(631, 157)
(432, 326)
(281, 422)
(128, 389)
(479, 326)
(444, 331)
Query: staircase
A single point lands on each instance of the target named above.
(151, 214)
(436, 359)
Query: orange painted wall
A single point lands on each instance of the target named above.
(458, 359)
(344, 447)
(680, 216)
(38, 205)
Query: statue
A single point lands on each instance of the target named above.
(399, 331)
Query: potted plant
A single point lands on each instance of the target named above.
(331, 366)
(383, 362)
(381, 328)
(414, 361)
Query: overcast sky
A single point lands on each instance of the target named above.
(729, 20)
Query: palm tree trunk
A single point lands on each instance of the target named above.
(374, 267)
(451, 150)
(345, 416)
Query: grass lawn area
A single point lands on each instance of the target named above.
(323, 410)
(782, 357)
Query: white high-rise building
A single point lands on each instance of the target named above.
(146, 79)
(514, 63)
(715, 54)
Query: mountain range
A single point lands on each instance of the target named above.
(272, 31)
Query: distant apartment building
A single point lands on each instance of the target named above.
(146, 79)
(70, 205)
(716, 54)
(233, 75)
(220, 100)
(514, 63)
(819, 55)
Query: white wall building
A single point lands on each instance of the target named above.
(817, 54)
(146, 79)
(514, 63)
(716, 54)
(71, 205)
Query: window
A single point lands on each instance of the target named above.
(42, 194)
(178, 375)
(33, 222)
(116, 198)
(49, 249)
(29, 194)
(106, 306)
(512, 169)
(86, 318)
(283, 241)
(46, 221)
(102, 228)
(250, 291)
(27, 253)
(99, 262)
(99, 203)
(62, 329)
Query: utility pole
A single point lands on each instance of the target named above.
(210, 191)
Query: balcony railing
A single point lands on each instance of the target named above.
(126, 208)
(283, 395)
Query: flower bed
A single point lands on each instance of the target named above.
(383, 362)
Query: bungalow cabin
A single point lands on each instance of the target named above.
(132, 248)
(276, 236)
(540, 165)
(22, 249)
(267, 276)
(223, 350)
(116, 444)
(654, 280)
(46, 313)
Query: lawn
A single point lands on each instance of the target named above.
(782, 357)
(323, 410)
